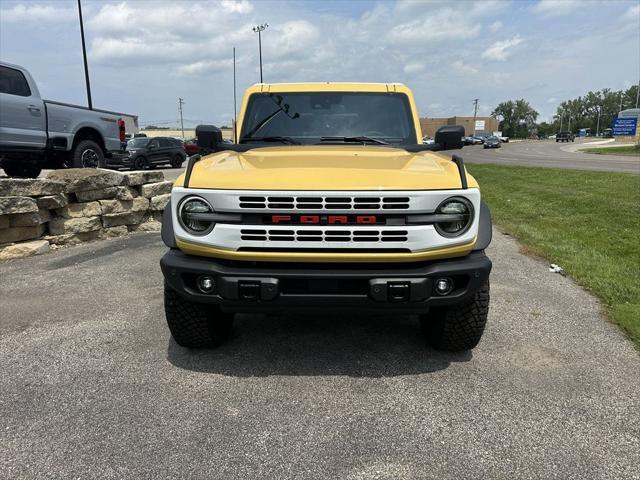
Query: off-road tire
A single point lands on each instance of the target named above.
(457, 327)
(81, 151)
(21, 169)
(195, 325)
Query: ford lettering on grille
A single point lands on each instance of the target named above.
(324, 219)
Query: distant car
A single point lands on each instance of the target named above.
(143, 152)
(565, 137)
(492, 142)
(478, 139)
(428, 141)
(191, 146)
(504, 139)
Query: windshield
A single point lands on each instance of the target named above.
(310, 117)
(139, 142)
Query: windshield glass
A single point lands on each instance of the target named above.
(139, 142)
(310, 116)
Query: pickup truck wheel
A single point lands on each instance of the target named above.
(23, 169)
(87, 154)
(194, 325)
(177, 161)
(457, 327)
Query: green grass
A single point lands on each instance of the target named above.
(586, 222)
(632, 150)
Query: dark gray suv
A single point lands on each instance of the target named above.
(144, 152)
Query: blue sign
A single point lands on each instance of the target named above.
(624, 126)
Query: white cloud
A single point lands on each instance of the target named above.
(501, 50)
(464, 68)
(37, 14)
(436, 26)
(237, 6)
(632, 14)
(495, 26)
(552, 100)
(414, 67)
(555, 8)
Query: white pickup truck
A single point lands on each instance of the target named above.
(37, 133)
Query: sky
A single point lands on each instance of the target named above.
(145, 54)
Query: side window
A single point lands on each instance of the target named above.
(12, 81)
(164, 143)
(153, 144)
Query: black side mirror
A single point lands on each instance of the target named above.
(208, 138)
(449, 137)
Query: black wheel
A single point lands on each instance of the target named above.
(140, 163)
(87, 154)
(195, 325)
(457, 327)
(21, 168)
(177, 161)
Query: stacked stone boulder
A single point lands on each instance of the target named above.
(77, 205)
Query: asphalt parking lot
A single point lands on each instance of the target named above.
(93, 387)
(548, 153)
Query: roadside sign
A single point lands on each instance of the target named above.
(479, 124)
(624, 126)
(629, 113)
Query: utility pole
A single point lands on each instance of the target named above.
(259, 29)
(180, 103)
(561, 118)
(475, 113)
(637, 94)
(598, 124)
(569, 128)
(84, 56)
(235, 136)
(620, 101)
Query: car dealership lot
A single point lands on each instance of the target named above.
(92, 386)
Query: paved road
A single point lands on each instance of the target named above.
(551, 154)
(533, 154)
(93, 387)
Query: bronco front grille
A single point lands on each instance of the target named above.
(324, 203)
(323, 235)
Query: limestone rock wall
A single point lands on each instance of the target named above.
(77, 205)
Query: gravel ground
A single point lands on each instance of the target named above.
(92, 386)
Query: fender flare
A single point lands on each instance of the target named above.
(484, 228)
(166, 232)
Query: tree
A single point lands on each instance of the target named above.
(518, 118)
(583, 112)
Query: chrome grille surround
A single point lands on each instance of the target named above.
(415, 238)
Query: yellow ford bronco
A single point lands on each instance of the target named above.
(327, 200)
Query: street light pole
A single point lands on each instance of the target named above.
(259, 29)
(180, 102)
(561, 118)
(598, 125)
(235, 136)
(84, 56)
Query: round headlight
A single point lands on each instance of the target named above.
(193, 213)
(459, 212)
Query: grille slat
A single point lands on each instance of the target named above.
(352, 236)
(326, 203)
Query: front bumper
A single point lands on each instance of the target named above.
(273, 287)
(120, 160)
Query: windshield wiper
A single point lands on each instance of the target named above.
(354, 140)
(274, 138)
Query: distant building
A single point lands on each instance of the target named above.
(429, 126)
